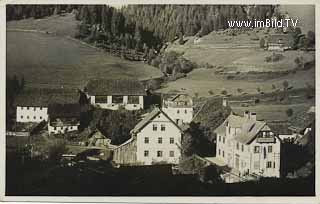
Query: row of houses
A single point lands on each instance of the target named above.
(245, 144)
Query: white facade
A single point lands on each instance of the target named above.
(109, 104)
(159, 141)
(61, 129)
(31, 114)
(179, 108)
(261, 156)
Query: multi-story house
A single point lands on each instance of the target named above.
(179, 107)
(248, 146)
(63, 118)
(155, 139)
(115, 93)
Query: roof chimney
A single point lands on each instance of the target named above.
(246, 114)
(253, 116)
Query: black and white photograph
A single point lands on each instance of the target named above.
(215, 100)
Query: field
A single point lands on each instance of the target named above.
(55, 59)
(52, 61)
(201, 81)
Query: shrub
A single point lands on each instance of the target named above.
(285, 84)
(273, 86)
(210, 92)
(224, 92)
(239, 90)
(56, 150)
(262, 43)
(289, 112)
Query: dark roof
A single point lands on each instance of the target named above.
(280, 128)
(284, 38)
(301, 120)
(156, 111)
(43, 97)
(64, 110)
(115, 87)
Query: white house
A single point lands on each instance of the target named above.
(179, 107)
(279, 42)
(155, 139)
(32, 104)
(248, 146)
(115, 93)
(63, 118)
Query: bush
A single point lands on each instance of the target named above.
(210, 92)
(289, 112)
(224, 92)
(56, 150)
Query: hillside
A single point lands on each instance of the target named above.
(53, 59)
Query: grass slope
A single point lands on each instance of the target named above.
(48, 60)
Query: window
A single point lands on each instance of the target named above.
(171, 140)
(160, 140)
(40, 108)
(27, 117)
(222, 153)
(219, 138)
(219, 151)
(185, 111)
(171, 153)
(34, 117)
(146, 140)
(146, 153)
(256, 149)
(34, 108)
(163, 127)
(159, 153)
(178, 111)
(237, 145)
(269, 164)
(21, 108)
(242, 148)
(40, 117)
(133, 99)
(55, 128)
(223, 140)
(155, 127)
(269, 148)
(117, 99)
(27, 108)
(22, 117)
(71, 128)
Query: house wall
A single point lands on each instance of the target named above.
(184, 115)
(31, 114)
(125, 154)
(115, 106)
(244, 159)
(171, 131)
(61, 129)
(259, 161)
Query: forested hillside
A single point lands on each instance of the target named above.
(138, 26)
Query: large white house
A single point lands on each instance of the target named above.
(155, 139)
(115, 93)
(63, 118)
(179, 107)
(32, 104)
(248, 146)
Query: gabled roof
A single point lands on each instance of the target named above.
(249, 127)
(249, 131)
(43, 97)
(113, 87)
(154, 113)
(280, 128)
(64, 110)
(175, 97)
